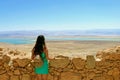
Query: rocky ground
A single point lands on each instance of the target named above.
(107, 68)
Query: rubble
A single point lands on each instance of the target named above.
(64, 68)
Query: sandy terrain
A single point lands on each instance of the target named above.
(66, 48)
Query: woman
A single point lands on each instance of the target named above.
(41, 49)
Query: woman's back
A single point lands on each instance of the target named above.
(44, 68)
(43, 57)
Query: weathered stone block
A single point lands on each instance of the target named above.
(1, 49)
(4, 77)
(50, 77)
(17, 72)
(59, 63)
(6, 59)
(90, 62)
(78, 63)
(22, 62)
(13, 77)
(70, 76)
(116, 74)
(2, 71)
(26, 77)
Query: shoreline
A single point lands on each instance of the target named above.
(65, 48)
(30, 40)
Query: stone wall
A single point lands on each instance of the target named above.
(63, 68)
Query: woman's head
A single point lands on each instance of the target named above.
(40, 42)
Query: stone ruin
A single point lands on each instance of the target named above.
(63, 68)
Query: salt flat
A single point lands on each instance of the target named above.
(65, 48)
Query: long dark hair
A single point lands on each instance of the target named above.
(40, 43)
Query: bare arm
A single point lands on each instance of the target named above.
(32, 56)
(46, 52)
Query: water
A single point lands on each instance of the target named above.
(32, 40)
(17, 40)
(83, 39)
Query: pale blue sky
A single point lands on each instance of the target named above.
(59, 14)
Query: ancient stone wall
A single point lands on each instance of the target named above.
(63, 68)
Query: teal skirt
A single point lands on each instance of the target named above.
(43, 69)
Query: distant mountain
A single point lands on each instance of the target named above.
(105, 32)
(34, 33)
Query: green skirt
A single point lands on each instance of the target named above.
(43, 69)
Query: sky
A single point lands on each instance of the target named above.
(59, 14)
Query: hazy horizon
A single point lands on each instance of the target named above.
(91, 32)
(29, 36)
